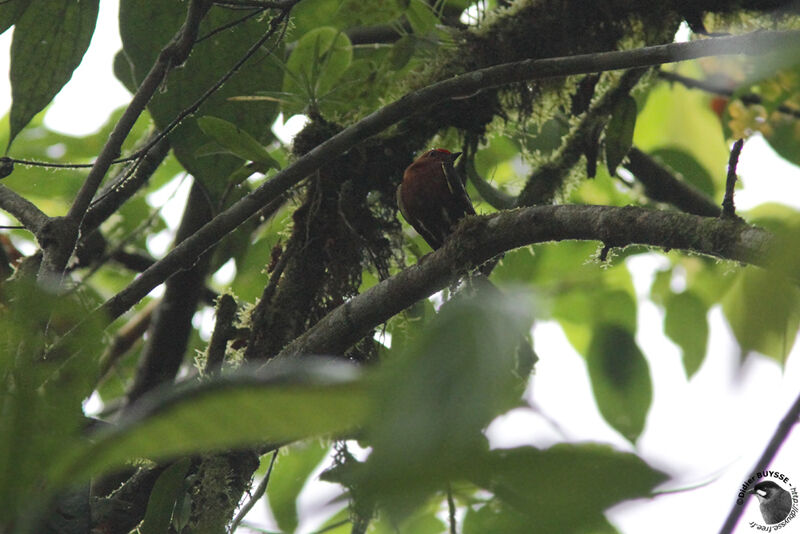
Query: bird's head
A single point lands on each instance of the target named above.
(766, 490)
(440, 155)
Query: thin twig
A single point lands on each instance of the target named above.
(230, 24)
(111, 198)
(49, 164)
(778, 437)
(728, 209)
(257, 494)
(451, 509)
(226, 315)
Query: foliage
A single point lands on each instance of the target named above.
(397, 418)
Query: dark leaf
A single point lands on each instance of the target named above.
(166, 492)
(147, 26)
(50, 39)
(620, 379)
(686, 324)
(619, 133)
(565, 488)
(10, 12)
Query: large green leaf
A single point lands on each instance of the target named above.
(146, 27)
(619, 133)
(10, 12)
(283, 403)
(565, 488)
(686, 324)
(434, 400)
(315, 67)
(291, 472)
(763, 310)
(687, 166)
(41, 399)
(50, 39)
(237, 141)
(620, 379)
(680, 118)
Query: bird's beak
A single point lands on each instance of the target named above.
(454, 156)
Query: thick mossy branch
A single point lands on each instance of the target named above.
(479, 239)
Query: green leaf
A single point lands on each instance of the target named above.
(166, 492)
(424, 521)
(311, 14)
(620, 379)
(565, 488)
(316, 65)
(434, 400)
(284, 402)
(763, 310)
(123, 71)
(49, 41)
(42, 414)
(146, 27)
(550, 135)
(402, 51)
(580, 310)
(619, 132)
(686, 324)
(679, 118)
(515, 267)
(10, 12)
(237, 141)
(289, 476)
(688, 167)
(421, 17)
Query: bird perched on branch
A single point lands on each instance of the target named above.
(432, 197)
(774, 501)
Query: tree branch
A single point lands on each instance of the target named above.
(183, 255)
(55, 257)
(479, 239)
(111, 198)
(663, 186)
(168, 333)
(25, 211)
(728, 208)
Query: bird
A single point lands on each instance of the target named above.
(432, 197)
(774, 501)
(433, 200)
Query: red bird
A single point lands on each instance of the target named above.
(432, 197)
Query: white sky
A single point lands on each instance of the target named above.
(711, 429)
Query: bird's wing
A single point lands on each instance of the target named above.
(431, 238)
(456, 187)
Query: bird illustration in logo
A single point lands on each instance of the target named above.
(774, 501)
